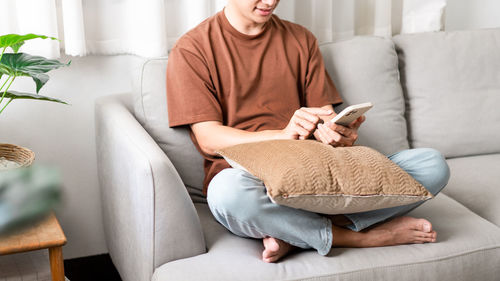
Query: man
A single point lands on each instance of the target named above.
(244, 75)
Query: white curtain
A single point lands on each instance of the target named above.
(149, 28)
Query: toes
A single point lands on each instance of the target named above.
(424, 225)
(420, 240)
(424, 237)
(433, 235)
(271, 244)
(421, 234)
(274, 249)
(415, 224)
(270, 258)
(271, 249)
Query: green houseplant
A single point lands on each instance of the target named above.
(26, 194)
(13, 65)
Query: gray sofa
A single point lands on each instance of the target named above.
(439, 90)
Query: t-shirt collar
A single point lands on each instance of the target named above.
(227, 26)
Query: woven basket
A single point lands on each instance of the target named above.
(18, 154)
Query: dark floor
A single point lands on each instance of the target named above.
(93, 268)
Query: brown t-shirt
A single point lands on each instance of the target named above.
(248, 82)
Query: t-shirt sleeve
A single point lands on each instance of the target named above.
(191, 96)
(319, 89)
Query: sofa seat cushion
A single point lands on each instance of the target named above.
(468, 248)
(475, 183)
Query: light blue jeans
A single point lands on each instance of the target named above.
(238, 201)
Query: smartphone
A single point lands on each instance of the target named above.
(351, 113)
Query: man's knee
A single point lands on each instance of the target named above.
(228, 193)
(223, 188)
(437, 170)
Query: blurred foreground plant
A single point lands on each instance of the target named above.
(27, 195)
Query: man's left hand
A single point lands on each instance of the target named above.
(338, 135)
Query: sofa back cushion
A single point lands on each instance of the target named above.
(451, 83)
(150, 106)
(365, 69)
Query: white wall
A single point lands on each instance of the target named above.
(64, 135)
(472, 14)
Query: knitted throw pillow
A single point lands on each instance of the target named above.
(312, 176)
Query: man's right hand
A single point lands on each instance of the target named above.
(304, 122)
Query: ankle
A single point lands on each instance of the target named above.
(343, 237)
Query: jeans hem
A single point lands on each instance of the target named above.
(356, 224)
(327, 237)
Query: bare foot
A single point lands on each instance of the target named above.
(274, 249)
(401, 230)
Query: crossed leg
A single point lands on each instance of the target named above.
(283, 228)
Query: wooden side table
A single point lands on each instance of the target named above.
(46, 234)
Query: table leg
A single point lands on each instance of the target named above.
(56, 263)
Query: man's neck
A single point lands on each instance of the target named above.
(240, 23)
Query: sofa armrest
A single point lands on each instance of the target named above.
(149, 218)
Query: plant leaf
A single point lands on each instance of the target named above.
(40, 80)
(15, 41)
(22, 64)
(15, 47)
(21, 95)
(28, 63)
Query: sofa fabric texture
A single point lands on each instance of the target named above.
(316, 177)
(452, 81)
(150, 108)
(141, 218)
(475, 183)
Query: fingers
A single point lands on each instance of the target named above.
(302, 128)
(357, 123)
(344, 131)
(329, 136)
(348, 132)
(317, 110)
(319, 135)
(304, 121)
(312, 114)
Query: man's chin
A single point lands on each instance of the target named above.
(261, 19)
